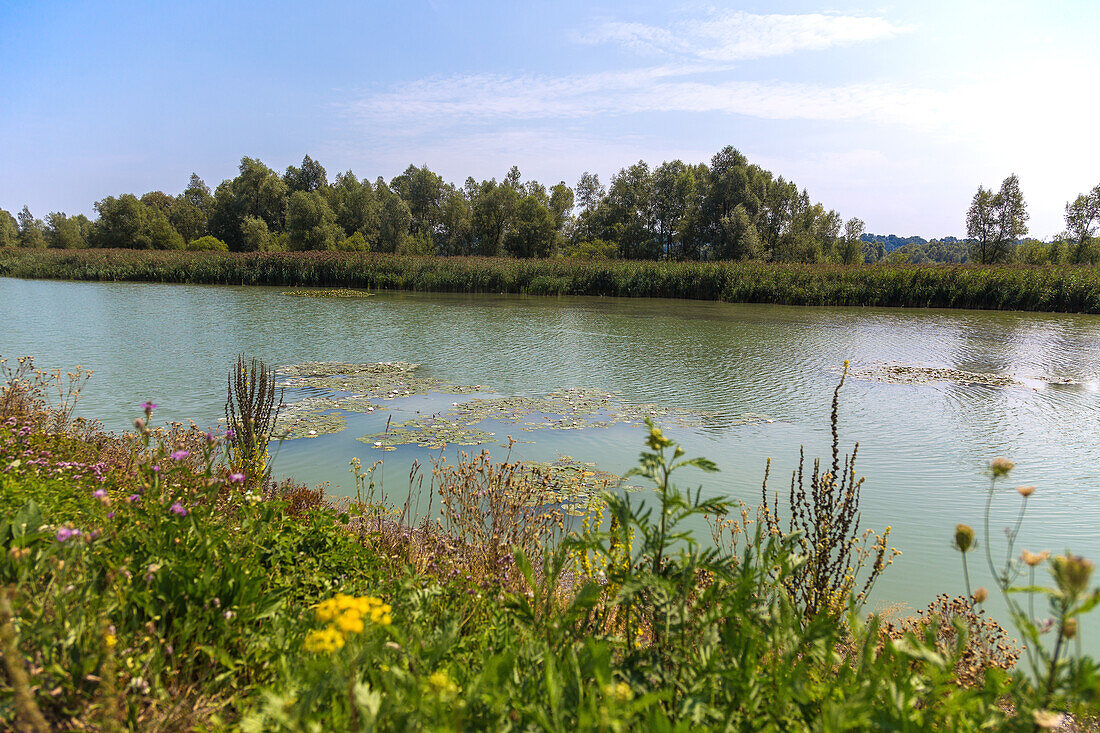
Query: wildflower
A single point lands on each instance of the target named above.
(1025, 491)
(980, 595)
(1032, 558)
(156, 469)
(133, 498)
(99, 493)
(236, 478)
(350, 622)
(324, 640)
(1000, 467)
(657, 439)
(442, 684)
(177, 508)
(66, 533)
(179, 455)
(964, 537)
(1071, 573)
(620, 691)
(110, 640)
(139, 425)
(230, 433)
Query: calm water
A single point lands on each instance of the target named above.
(922, 447)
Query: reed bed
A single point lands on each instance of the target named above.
(1010, 287)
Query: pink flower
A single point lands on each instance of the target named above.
(65, 534)
(231, 433)
(179, 455)
(237, 478)
(177, 508)
(133, 498)
(99, 493)
(148, 406)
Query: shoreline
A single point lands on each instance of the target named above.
(1005, 287)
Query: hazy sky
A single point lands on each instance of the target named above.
(891, 111)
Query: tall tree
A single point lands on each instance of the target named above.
(9, 229)
(394, 219)
(1012, 215)
(311, 176)
(1082, 217)
(355, 205)
(310, 223)
(32, 234)
(256, 191)
(63, 232)
(981, 226)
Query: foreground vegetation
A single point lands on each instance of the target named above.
(1066, 289)
(151, 582)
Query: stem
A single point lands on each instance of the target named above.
(966, 578)
(988, 552)
(1054, 661)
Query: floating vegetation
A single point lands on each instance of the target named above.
(572, 485)
(382, 380)
(563, 409)
(901, 374)
(329, 293)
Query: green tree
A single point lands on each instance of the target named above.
(532, 234)
(310, 177)
(851, 251)
(160, 201)
(394, 219)
(493, 210)
(456, 224)
(9, 229)
(561, 204)
(1012, 216)
(255, 236)
(190, 211)
(628, 212)
(256, 191)
(422, 190)
(981, 226)
(310, 222)
(739, 240)
(1082, 218)
(32, 233)
(355, 205)
(63, 232)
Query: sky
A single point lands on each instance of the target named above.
(894, 112)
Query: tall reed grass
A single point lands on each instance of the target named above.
(1010, 287)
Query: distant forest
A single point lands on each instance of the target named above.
(730, 209)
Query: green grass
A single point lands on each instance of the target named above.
(1014, 287)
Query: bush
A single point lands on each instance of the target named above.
(207, 243)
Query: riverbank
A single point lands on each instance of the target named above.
(1017, 287)
(148, 585)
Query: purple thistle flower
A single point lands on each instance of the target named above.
(210, 438)
(231, 433)
(177, 508)
(65, 534)
(156, 469)
(148, 406)
(99, 493)
(237, 478)
(179, 455)
(133, 498)
(110, 515)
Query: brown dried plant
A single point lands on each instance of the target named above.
(45, 399)
(826, 517)
(986, 644)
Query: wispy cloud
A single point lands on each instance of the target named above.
(737, 36)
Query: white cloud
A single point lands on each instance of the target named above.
(736, 35)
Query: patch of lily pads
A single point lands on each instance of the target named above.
(563, 409)
(904, 374)
(328, 293)
(572, 485)
(381, 380)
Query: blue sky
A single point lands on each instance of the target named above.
(891, 111)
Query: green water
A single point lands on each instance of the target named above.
(923, 447)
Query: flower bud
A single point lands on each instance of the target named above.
(1069, 628)
(1000, 467)
(1025, 491)
(964, 537)
(139, 425)
(1071, 573)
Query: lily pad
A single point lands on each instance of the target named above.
(905, 374)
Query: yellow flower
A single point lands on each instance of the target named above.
(620, 691)
(350, 622)
(441, 683)
(1025, 491)
(110, 640)
(327, 639)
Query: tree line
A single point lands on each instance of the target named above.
(996, 225)
(729, 209)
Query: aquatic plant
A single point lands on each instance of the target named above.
(251, 412)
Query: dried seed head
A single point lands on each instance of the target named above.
(1025, 491)
(1000, 467)
(980, 595)
(964, 537)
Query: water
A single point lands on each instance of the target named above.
(923, 447)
